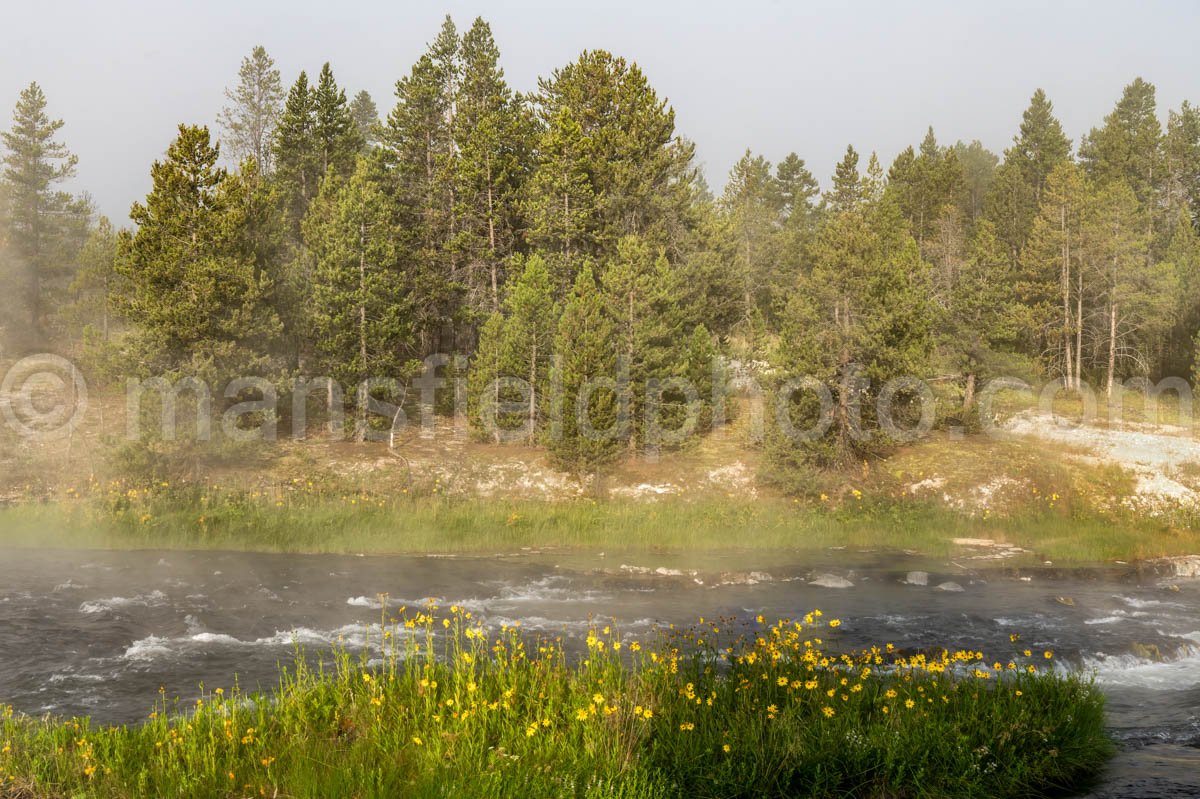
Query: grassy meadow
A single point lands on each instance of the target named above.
(296, 518)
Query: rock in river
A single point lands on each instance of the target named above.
(830, 581)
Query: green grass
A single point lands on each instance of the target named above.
(720, 710)
(300, 519)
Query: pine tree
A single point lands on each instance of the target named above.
(797, 189)
(1050, 278)
(1181, 152)
(1016, 192)
(1136, 294)
(847, 191)
(419, 144)
(255, 105)
(336, 135)
(494, 361)
(639, 288)
(584, 357)
(978, 325)
(366, 119)
(493, 138)
(199, 301)
(560, 200)
(44, 223)
(753, 205)
(859, 319)
(1129, 146)
(95, 284)
(296, 158)
(924, 184)
(1183, 255)
(979, 169)
(611, 141)
(531, 312)
(516, 344)
(362, 317)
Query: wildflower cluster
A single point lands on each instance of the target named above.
(721, 707)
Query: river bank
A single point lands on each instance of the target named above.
(304, 519)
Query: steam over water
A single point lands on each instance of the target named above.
(97, 633)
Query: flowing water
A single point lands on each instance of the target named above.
(98, 633)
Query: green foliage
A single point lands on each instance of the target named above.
(589, 417)
(199, 301)
(362, 318)
(255, 105)
(612, 164)
(859, 319)
(366, 119)
(45, 227)
(1039, 147)
(1128, 146)
(847, 191)
(923, 184)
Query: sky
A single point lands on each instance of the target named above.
(777, 77)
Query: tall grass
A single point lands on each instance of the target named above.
(719, 710)
(304, 518)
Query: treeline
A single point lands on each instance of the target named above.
(566, 236)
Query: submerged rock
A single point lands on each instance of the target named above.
(1147, 651)
(917, 578)
(830, 581)
(950, 585)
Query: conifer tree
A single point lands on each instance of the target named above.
(1128, 147)
(1183, 255)
(1181, 152)
(588, 428)
(96, 283)
(639, 288)
(201, 304)
(493, 138)
(924, 184)
(1051, 275)
(419, 144)
(611, 140)
(255, 105)
(560, 200)
(44, 223)
(847, 190)
(1016, 192)
(337, 137)
(753, 205)
(797, 189)
(859, 319)
(1136, 293)
(532, 312)
(361, 297)
(366, 119)
(296, 157)
(978, 327)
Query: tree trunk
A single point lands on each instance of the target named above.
(1066, 295)
(969, 392)
(1112, 349)
(361, 434)
(533, 392)
(1079, 332)
(492, 239)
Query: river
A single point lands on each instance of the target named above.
(98, 633)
